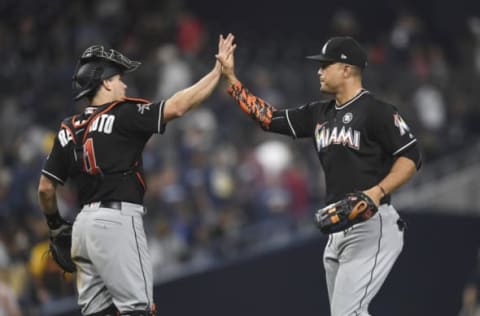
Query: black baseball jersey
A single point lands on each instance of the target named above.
(101, 149)
(356, 142)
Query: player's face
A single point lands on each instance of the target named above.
(331, 77)
(118, 87)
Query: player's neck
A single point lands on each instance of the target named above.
(101, 99)
(348, 92)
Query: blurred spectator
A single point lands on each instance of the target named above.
(474, 25)
(51, 283)
(190, 34)
(173, 72)
(471, 293)
(405, 35)
(431, 111)
(167, 249)
(344, 23)
(8, 301)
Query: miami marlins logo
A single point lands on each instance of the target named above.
(325, 136)
(401, 125)
(143, 107)
(347, 118)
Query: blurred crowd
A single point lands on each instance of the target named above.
(218, 186)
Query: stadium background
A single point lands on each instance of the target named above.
(230, 207)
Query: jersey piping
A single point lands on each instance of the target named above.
(375, 262)
(290, 124)
(53, 176)
(160, 116)
(402, 148)
(355, 98)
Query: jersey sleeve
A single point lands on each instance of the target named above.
(391, 130)
(298, 122)
(56, 165)
(143, 117)
(293, 122)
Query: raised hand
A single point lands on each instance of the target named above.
(225, 56)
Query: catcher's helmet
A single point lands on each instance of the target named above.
(97, 64)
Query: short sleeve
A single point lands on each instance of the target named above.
(143, 117)
(391, 130)
(56, 165)
(301, 120)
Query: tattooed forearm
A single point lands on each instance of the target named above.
(255, 107)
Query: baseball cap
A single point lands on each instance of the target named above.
(342, 50)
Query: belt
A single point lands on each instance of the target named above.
(116, 205)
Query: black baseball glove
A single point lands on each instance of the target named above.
(352, 209)
(60, 245)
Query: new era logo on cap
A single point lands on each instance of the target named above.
(342, 49)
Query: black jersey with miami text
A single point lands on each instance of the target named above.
(112, 138)
(356, 142)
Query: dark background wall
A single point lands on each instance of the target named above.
(439, 255)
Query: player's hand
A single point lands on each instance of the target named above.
(64, 229)
(225, 56)
(375, 193)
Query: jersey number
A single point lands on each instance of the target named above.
(89, 161)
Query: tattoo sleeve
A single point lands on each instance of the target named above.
(256, 108)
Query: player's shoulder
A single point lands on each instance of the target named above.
(318, 105)
(133, 100)
(376, 103)
(68, 121)
(131, 105)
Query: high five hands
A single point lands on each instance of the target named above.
(225, 57)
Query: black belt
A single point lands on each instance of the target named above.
(116, 205)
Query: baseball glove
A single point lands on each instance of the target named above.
(352, 209)
(60, 245)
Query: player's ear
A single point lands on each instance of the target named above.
(347, 70)
(351, 71)
(107, 84)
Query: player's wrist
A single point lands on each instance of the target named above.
(232, 79)
(54, 220)
(382, 190)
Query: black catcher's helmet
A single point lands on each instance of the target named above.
(95, 65)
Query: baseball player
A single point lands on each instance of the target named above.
(364, 145)
(100, 151)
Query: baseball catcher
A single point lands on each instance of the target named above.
(352, 209)
(99, 151)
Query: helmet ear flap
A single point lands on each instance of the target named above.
(86, 79)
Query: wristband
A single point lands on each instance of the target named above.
(54, 220)
(381, 189)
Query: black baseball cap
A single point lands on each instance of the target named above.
(342, 50)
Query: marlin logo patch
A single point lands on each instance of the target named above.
(143, 107)
(401, 125)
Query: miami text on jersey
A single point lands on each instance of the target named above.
(325, 136)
